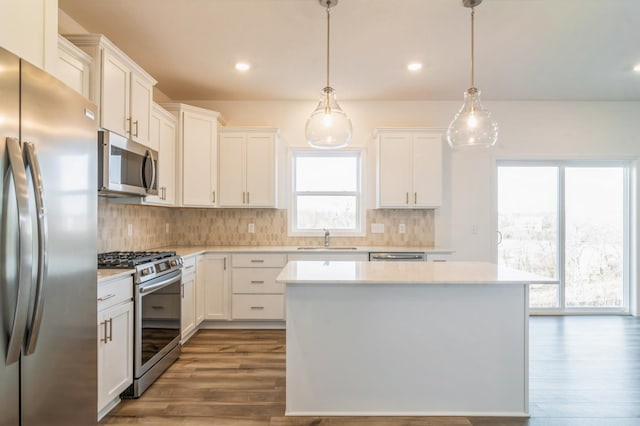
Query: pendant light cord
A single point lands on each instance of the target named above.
(328, 39)
(473, 12)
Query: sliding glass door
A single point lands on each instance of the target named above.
(567, 221)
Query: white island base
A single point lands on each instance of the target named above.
(406, 339)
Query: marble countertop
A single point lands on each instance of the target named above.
(318, 272)
(186, 251)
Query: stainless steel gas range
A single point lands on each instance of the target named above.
(157, 300)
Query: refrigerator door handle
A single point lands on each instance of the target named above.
(25, 250)
(41, 214)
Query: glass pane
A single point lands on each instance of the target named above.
(543, 296)
(528, 221)
(594, 237)
(332, 212)
(326, 174)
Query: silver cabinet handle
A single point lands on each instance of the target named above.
(214, 196)
(188, 267)
(136, 124)
(257, 308)
(182, 290)
(257, 282)
(107, 297)
(248, 202)
(257, 260)
(25, 250)
(128, 125)
(111, 329)
(244, 198)
(104, 339)
(41, 215)
(407, 198)
(415, 198)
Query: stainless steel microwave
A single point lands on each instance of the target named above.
(125, 168)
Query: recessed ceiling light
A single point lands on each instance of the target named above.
(243, 66)
(414, 66)
(637, 68)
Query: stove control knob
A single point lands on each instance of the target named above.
(174, 263)
(147, 271)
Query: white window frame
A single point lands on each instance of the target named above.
(627, 167)
(359, 230)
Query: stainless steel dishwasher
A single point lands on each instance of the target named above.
(416, 256)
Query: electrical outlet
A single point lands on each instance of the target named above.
(402, 228)
(129, 229)
(166, 228)
(252, 228)
(377, 228)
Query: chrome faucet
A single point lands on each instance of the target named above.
(326, 237)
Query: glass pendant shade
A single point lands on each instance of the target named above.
(328, 127)
(472, 126)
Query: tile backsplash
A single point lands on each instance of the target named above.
(189, 226)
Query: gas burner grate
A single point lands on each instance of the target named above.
(129, 259)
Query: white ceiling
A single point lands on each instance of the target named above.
(525, 49)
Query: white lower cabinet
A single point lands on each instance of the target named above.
(255, 293)
(188, 305)
(216, 286)
(115, 341)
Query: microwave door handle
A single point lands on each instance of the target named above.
(41, 214)
(153, 170)
(148, 157)
(25, 254)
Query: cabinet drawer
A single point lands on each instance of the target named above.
(259, 260)
(110, 293)
(188, 265)
(258, 306)
(256, 280)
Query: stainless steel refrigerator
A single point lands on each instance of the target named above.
(48, 341)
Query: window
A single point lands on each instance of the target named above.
(326, 192)
(567, 221)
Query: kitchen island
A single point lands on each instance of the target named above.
(414, 338)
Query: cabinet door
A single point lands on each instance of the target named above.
(260, 170)
(162, 132)
(232, 170)
(199, 157)
(114, 108)
(427, 170)
(394, 171)
(167, 161)
(115, 356)
(141, 98)
(188, 322)
(200, 289)
(216, 287)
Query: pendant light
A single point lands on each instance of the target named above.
(328, 127)
(472, 126)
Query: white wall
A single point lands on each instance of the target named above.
(540, 130)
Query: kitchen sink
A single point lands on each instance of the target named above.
(326, 248)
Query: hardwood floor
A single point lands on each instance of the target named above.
(583, 371)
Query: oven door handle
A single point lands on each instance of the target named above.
(157, 286)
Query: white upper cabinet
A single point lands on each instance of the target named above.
(196, 155)
(29, 29)
(248, 175)
(409, 168)
(122, 90)
(73, 67)
(162, 138)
